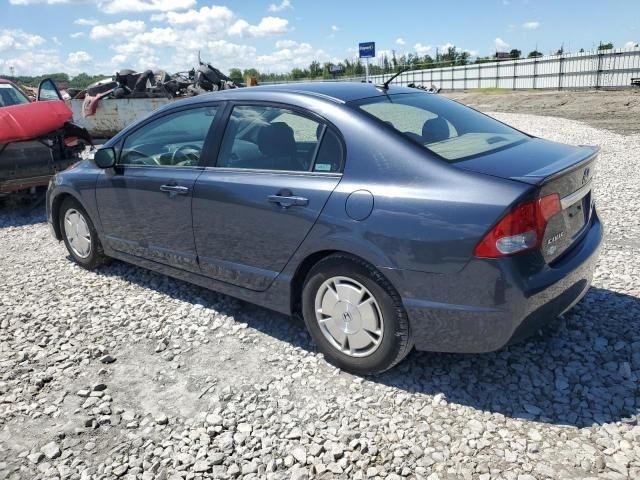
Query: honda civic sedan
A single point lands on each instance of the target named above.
(387, 217)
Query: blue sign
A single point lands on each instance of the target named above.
(367, 50)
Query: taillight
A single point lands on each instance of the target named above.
(521, 229)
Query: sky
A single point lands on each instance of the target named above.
(103, 36)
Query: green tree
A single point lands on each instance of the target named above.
(297, 74)
(315, 70)
(534, 54)
(250, 72)
(515, 53)
(605, 46)
(235, 74)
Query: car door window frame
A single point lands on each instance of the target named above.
(209, 147)
(285, 106)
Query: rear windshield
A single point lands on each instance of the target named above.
(446, 128)
(9, 95)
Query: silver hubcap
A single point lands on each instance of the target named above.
(77, 232)
(349, 316)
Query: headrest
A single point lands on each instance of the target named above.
(276, 140)
(435, 130)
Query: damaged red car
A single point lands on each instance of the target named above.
(37, 139)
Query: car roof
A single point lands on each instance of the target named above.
(340, 92)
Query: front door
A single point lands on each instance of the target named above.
(144, 203)
(275, 171)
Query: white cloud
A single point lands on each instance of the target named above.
(268, 26)
(86, 21)
(286, 44)
(630, 44)
(296, 54)
(530, 25)
(422, 49)
(124, 6)
(215, 16)
(33, 62)
(445, 48)
(282, 6)
(124, 28)
(77, 34)
(400, 41)
(501, 45)
(19, 40)
(56, 40)
(120, 6)
(32, 2)
(334, 28)
(157, 37)
(79, 57)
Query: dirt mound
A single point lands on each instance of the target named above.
(618, 111)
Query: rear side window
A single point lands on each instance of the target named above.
(446, 128)
(269, 138)
(330, 154)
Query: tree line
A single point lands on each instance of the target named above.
(385, 64)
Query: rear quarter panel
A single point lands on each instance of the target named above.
(427, 215)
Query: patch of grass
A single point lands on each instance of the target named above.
(489, 90)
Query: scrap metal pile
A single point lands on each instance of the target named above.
(153, 84)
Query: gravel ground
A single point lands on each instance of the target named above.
(123, 373)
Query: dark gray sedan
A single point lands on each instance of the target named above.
(387, 217)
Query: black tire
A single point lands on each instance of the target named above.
(96, 256)
(396, 340)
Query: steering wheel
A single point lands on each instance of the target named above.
(192, 157)
(134, 157)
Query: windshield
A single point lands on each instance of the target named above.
(446, 128)
(9, 95)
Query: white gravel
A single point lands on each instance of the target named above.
(204, 386)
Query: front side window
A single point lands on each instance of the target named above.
(9, 95)
(446, 128)
(174, 140)
(269, 138)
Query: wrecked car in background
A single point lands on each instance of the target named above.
(37, 139)
(109, 105)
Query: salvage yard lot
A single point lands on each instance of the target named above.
(124, 373)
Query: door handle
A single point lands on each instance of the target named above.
(174, 190)
(286, 201)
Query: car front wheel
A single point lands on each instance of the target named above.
(355, 316)
(79, 235)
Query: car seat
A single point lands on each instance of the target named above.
(277, 143)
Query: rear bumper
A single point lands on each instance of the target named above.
(494, 302)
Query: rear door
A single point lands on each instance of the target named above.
(275, 171)
(145, 201)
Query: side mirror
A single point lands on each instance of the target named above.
(105, 157)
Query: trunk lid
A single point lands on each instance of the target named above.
(554, 168)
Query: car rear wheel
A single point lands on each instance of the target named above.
(355, 316)
(79, 235)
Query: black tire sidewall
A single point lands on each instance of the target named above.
(95, 257)
(386, 355)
